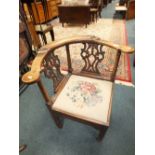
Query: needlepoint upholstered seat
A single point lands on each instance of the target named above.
(84, 96)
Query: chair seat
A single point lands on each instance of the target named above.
(121, 8)
(93, 9)
(86, 98)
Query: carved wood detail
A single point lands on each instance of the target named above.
(37, 66)
(92, 54)
(52, 69)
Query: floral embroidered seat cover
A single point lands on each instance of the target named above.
(86, 98)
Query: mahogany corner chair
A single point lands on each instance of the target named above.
(84, 96)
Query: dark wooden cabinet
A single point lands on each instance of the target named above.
(74, 14)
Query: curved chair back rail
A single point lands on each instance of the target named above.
(34, 74)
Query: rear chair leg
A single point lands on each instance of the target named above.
(102, 132)
(57, 119)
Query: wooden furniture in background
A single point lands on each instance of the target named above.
(42, 33)
(25, 47)
(37, 30)
(52, 11)
(95, 9)
(74, 14)
(96, 6)
(84, 96)
(131, 9)
(105, 2)
(121, 8)
(126, 8)
(35, 39)
(25, 52)
(45, 9)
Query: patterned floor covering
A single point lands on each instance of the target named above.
(106, 29)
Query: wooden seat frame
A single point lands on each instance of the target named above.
(46, 61)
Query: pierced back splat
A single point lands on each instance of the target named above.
(52, 69)
(92, 54)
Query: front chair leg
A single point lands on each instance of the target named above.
(57, 119)
(102, 132)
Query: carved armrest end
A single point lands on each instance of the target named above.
(31, 77)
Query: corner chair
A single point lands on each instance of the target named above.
(84, 96)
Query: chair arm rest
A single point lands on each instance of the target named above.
(122, 48)
(31, 77)
(81, 39)
(34, 74)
